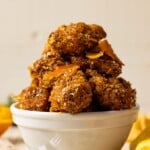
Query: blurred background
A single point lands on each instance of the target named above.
(25, 26)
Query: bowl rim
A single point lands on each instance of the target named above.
(78, 116)
(66, 121)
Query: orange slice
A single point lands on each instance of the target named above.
(107, 49)
(5, 118)
(50, 76)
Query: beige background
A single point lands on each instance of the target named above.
(26, 24)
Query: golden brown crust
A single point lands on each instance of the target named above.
(77, 71)
(50, 77)
(71, 93)
(76, 39)
(113, 93)
(34, 98)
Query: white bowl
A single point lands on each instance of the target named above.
(83, 131)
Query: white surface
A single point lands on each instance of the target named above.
(25, 26)
(83, 131)
(12, 140)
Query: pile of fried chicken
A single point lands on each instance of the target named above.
(78, 71)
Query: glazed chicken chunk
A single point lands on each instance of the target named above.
(78, 71)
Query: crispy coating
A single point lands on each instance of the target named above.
(104, 65)
(50, 77)
(34, 98)
(48, 62)
(71, 93)
(113, 93)
(80, 61)
(77, 72)
(76, 38)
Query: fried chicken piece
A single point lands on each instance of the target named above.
(76, 38)
(103, 59)
(104, 65)
(34, 98)
(117, 95)
(48, 62)
(50, 77)
(113, 93)
(71, 93)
